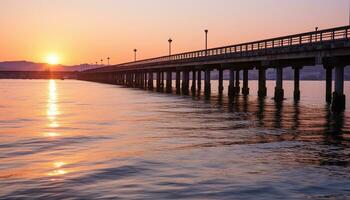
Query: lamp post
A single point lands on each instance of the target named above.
(170, 41)
(108, 60)
(135, 52)
(206, 40)
(101, 61)
(316, 29)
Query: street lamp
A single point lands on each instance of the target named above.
(108, 60)
(170, 41)
(206, 40)
(135, 52)
(316, 29)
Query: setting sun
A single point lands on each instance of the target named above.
(52, 59)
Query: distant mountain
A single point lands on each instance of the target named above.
(31, 66)
(307, 73)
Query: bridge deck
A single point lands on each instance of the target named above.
(306, 48)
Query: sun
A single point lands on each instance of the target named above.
(52, 59)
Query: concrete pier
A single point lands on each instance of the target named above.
(207, 85)
(297, 50)
(142, 78)
(178, 82)
(338, 102)
(169, 80)
(145, 78)
(159, 81)
(162, 81)
(150, 80)
(231, 87)
(199, 81)
(297, 83)
(185, 82)
(221, 81)
(237, 88)
(262, 90)
(329, 80)
(193, 87)
(245, 89)
(279, 92)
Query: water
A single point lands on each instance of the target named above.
(81, 140)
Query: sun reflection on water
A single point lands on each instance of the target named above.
(52, 109)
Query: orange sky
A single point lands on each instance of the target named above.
(84, 31)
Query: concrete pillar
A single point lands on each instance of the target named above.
(297, 83)
(150, 80)
(130, 79)
(329, 84)
(221, 81)
(262, 91)
(178, 82)
(238, 89)
(158, 81)
(162, 80)
(231, 87)
(146, 80)
(169, 80)
(194, 77)
(199, 81)
(136, 80)
(338, 103)
(207, 85)
(245, 89)
(142, 80)
(185, 82)
(279, 92)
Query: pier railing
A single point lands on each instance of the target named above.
(321, 36)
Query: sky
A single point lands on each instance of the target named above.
(86, 31)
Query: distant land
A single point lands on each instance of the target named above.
(307, 73)
(32, 66)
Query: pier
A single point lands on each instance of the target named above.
(329, 48)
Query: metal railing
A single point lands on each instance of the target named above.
(327, 35)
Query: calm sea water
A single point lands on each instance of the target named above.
(80, 140)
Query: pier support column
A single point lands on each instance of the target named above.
(139, 79)
(262, 83)
(245, 89)
(199, 81)
(145, 78)
(207, 85)
(169, 80)
(338, 103)
(231, 87)
(221, 81)
(178, 82)
(193, 87)
(297, 83)
(279, 92)
(158, 81)
(135, 80)
(162, 81)
(238, 89)
(142, 78)
(328, 84)
(150, 80)
(185, 82)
